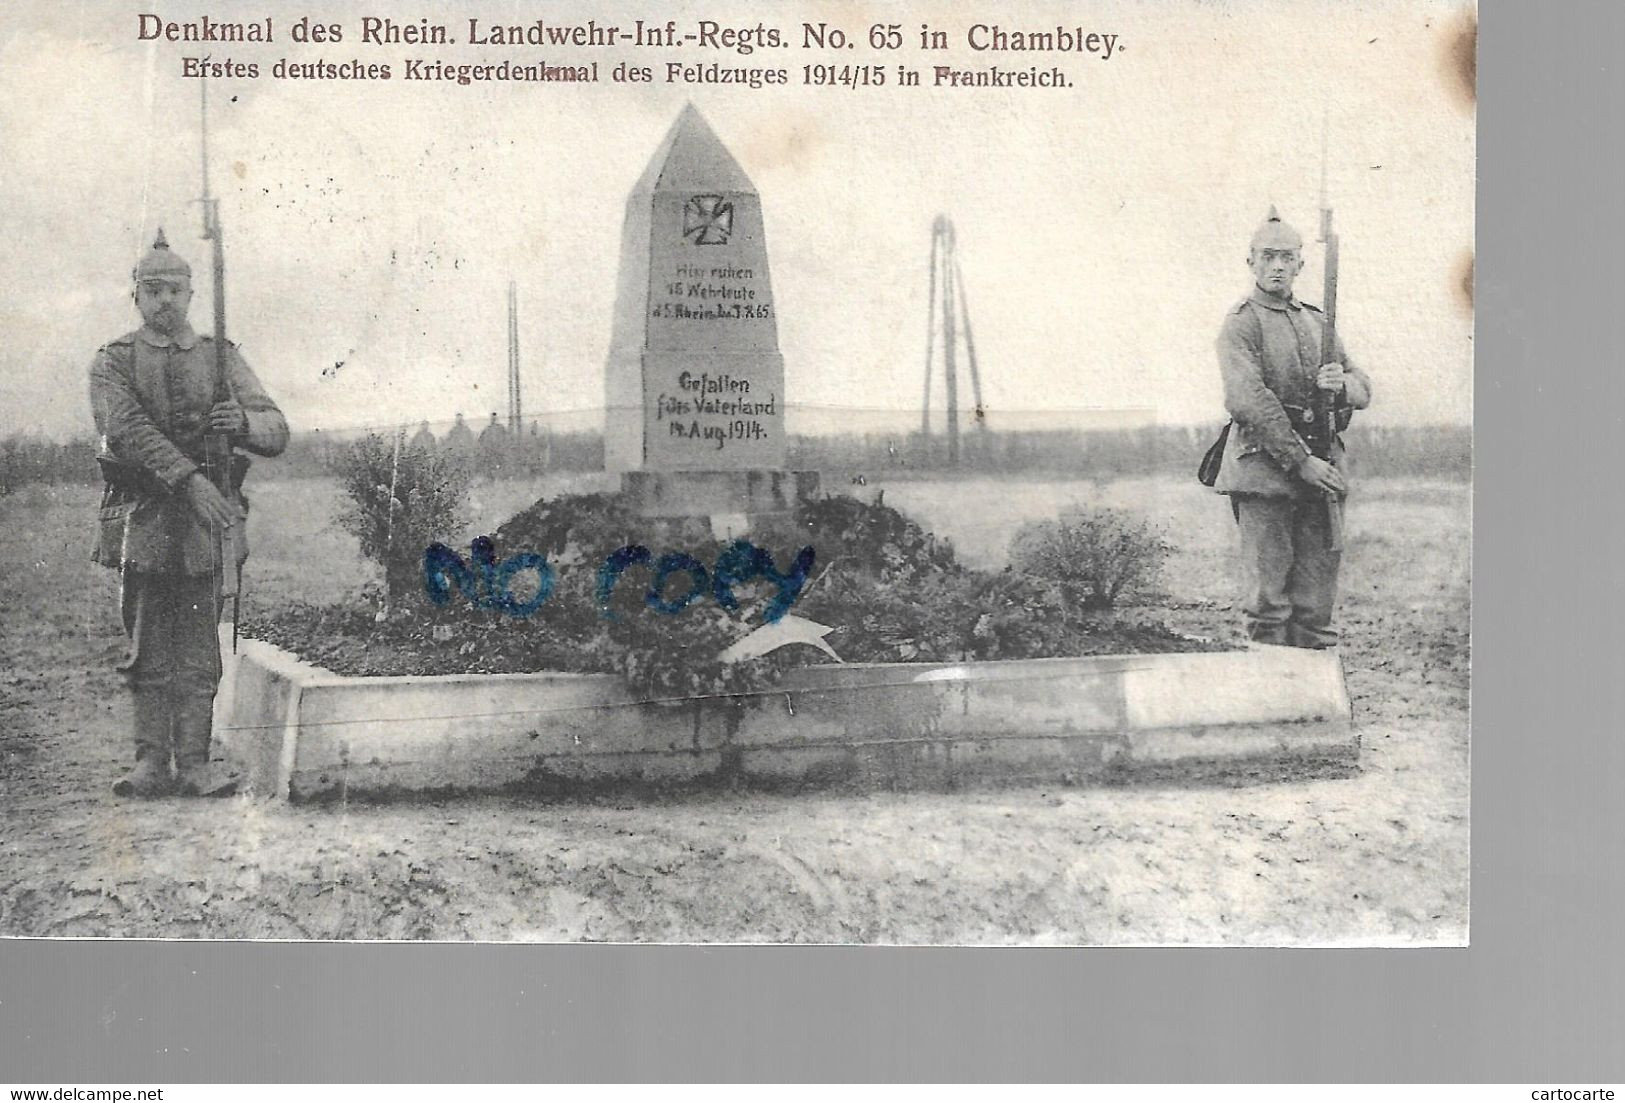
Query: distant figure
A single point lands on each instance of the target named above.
(859, 480)
(156, 393)
(424, 438)
(1269, 357)
(460, 438)
(495, 434)
(539, 452)
(494, 446)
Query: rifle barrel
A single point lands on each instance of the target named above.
(217, 449)
(1328, 306)
(1325, 404)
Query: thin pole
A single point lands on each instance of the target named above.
(930, 335)
(515, 402)
(950, 376)
(970, 345)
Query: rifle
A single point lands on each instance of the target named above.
(1326, 404)
(219, 461)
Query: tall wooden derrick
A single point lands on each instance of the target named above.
(947, 317)
(515, 403)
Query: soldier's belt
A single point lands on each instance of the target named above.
(1312, 428)
(124, 481)
(240, 464)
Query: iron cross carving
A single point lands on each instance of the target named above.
(708, 220)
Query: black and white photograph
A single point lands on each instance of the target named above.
(902, 475)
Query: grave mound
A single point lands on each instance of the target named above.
(888, 590)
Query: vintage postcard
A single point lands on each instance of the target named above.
(720, 473)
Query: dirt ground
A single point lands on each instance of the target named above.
(1380, 857)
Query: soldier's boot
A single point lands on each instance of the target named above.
(151, 776)
(194, 729)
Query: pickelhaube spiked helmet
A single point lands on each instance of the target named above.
(160, 263)
(1275, 232)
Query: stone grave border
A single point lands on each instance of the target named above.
(293, 730)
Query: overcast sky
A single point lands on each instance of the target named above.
(372, 227)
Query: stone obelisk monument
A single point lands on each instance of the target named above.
(694, 388)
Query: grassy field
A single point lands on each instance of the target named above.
(1379, 857)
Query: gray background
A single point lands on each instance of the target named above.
(1538, 997)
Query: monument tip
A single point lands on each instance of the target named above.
(692, 157)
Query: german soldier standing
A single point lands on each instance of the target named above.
(155, 396)
(1277, 468)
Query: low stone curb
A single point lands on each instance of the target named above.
(297, 731)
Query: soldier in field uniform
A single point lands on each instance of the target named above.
(155, 394)
(1270, 359)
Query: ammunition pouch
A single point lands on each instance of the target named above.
(1311, 426)
(123, 481)
(236, 472)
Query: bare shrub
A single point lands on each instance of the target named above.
(400, 499)
(1095, 556)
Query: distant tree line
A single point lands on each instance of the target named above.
(28, 458)
(1435, 451)
(495, 452)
